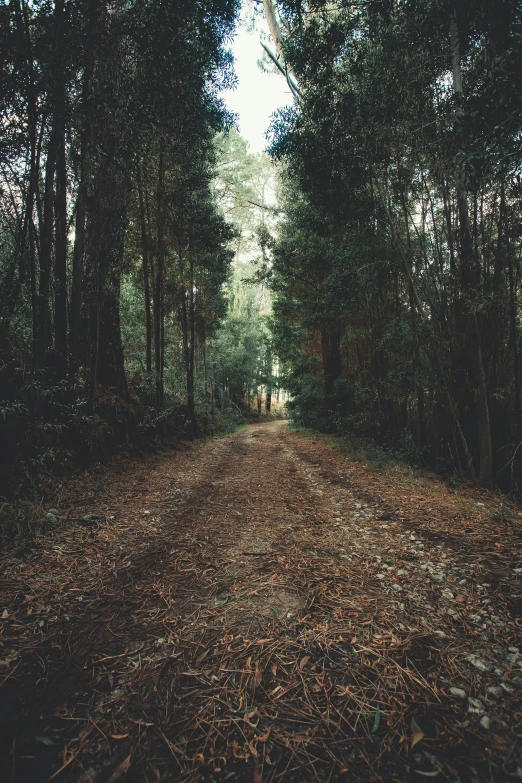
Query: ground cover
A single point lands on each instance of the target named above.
(264, 608)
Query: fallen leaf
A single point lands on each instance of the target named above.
(121, 769)
(417, 733)
(303, 662)
(119, 736)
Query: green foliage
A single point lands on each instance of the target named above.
(240, 350)
(109, 116)
(371, 277)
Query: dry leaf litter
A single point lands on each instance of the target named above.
(263, 608)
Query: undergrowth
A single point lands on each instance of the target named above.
(359, 449)
(56, 438)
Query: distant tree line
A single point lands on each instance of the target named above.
(241, 358)
(397, 269)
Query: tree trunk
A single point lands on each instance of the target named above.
(186, 317)
(158, 294)
(60, 207)
(107, 226)
(332, 364)
(146, 276)
(78, 263)
(191, 404)
(22, 24)
(469, 276)
(277, 37)
(268, 399)
(93, 344)
(110, 363)
(46, 249)
(513, 318)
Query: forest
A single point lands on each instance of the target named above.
(201, 348)
(392, 260)
(126, 196)
(397, 270)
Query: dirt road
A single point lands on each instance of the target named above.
(263, 608)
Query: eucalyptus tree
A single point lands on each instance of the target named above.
(402, 150)
(104, 105)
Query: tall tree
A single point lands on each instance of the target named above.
(385, 270)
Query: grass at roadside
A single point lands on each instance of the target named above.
(359, 449)
(396, 470)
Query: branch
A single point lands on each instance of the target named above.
(264, 206)
(296, 92)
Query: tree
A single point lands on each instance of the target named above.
(109, 114)
(393, 263)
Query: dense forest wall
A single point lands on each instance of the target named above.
(397, 268)
(110, 230)
(140, 253)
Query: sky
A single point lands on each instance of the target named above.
(257, 94)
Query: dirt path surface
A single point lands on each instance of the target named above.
(263, 608)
